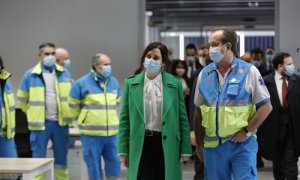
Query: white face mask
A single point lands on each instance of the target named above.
(180, 71)
(215, 54)
(49, 61)
(202, 61)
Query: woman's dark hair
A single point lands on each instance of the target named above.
(279, 59)
(174, 65)
(1, 64)
(163, 50)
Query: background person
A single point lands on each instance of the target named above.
(93, 100)
(280, 133)
(7, 115)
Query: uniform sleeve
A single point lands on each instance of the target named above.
(23, 92)
(10, 93)
(198, 99)
(255, 85)
(75, 99)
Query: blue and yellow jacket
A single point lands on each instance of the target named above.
(227, 110)
(7, 105)
(93, 101)
(31, 96)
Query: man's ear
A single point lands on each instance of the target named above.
(229, 46)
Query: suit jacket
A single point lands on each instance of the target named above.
(175, 128)
(272, 126)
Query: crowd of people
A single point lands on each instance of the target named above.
(222, 111)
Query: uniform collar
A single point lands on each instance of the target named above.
(233, 66)
(97, 77)
(38, 68)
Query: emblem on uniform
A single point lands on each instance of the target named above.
(209, 72)
(261, 81)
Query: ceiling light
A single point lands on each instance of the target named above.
(253, 4)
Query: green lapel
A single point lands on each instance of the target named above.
(137, 92)
(169, 90)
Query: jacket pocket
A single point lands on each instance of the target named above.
(206, 116)
(82, 116)
(235, 118)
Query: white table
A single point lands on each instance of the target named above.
(27, 167)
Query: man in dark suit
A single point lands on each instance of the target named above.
(280, 133)
(204, 60)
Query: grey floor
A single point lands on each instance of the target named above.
(77, 168)
(188, 173)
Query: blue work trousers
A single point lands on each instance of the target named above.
(96, 146)
(59, 136)
(7, 149)
(231, 161)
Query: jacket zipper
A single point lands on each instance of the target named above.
(106, 108)
(219, 97)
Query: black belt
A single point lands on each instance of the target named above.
(152, 133)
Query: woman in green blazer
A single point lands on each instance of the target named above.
(154, 136)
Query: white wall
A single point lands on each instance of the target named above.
(113, 27)
(287, 28)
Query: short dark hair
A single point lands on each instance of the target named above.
(163, 50)
(1, 63)
(204, 46)
(229, 35)
(257, 51)
(279, 59)
(191, 46)
(46, 44)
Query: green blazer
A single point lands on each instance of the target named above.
(175, 127)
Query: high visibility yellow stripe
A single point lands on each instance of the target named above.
(97, 107)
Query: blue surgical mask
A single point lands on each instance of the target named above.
(256, 63)
(49, 61)
(215, 54)
(269, 58)
(290, 70)
(67, 64)
(152, 66)
(106, 71)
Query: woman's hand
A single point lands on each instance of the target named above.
(124, 159)
(184, 158)
(186, 91)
